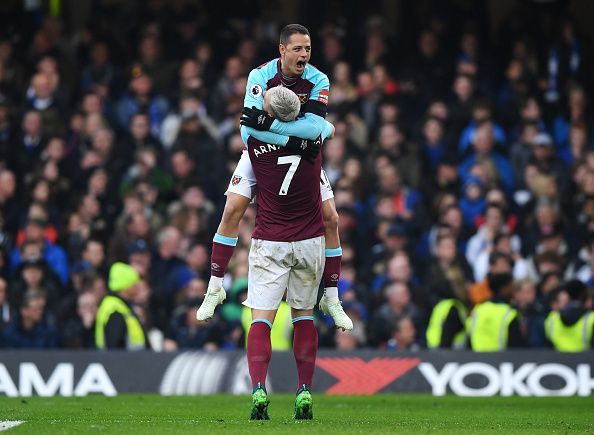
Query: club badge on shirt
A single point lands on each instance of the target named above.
(303, 98)
(235, 180)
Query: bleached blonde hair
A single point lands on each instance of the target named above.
(284, 103)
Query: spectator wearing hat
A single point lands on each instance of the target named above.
(30, 328)
(141, 97)
(117, 326)
(546, 161)
(473, 201)
(139, 257)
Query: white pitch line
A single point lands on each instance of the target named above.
(9, 424)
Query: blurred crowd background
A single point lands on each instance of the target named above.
(463, 155)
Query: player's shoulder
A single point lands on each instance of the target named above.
(267, 70)
(314, 75)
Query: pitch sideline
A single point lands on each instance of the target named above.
(9, 424)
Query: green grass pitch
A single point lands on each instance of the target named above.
(153, 414)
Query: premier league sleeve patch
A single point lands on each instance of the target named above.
(256, 91)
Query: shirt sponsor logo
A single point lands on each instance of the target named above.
(323, 97)
(235, 180)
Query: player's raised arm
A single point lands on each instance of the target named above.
(254, 90)
(254, 98)
(280, 103)
(309, 127)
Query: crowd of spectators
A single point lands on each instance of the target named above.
(459, 156)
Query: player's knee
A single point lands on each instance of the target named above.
(331, 219)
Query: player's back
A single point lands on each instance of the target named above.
(289, 201)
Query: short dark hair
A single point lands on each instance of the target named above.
(291, 29)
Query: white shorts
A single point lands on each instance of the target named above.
(278, 266)
(243, 181)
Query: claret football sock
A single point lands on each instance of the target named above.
(222, 251)
(259, 350)
(332, 272)
(305, 348)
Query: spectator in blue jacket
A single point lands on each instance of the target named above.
(53, 255)
(483, 144)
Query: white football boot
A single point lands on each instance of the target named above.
(334, 309)
(214, 296)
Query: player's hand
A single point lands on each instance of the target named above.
(256, 118)
(307, 149)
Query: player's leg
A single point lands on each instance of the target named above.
(329, 303)
(302, 290)
(239, 195)
(333, 249)
(259, 346)
(267, 279)
(259, 352)
(305, 350)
